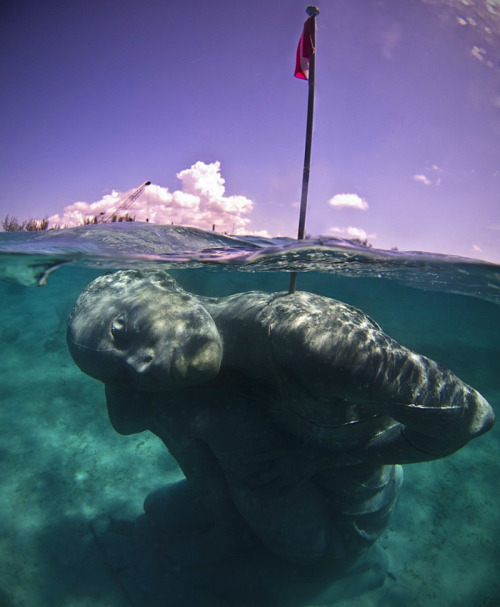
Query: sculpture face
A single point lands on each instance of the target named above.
(142, 330)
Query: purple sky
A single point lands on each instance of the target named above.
(99, 96)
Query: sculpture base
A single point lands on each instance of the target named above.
(257, 578)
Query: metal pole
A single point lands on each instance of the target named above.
(312, 11)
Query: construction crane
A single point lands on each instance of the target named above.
(126, 204)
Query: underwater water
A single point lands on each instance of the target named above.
(63, 464)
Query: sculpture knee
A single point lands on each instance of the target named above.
(307, 553)
(309, 545)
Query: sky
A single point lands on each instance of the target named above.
(199, 98)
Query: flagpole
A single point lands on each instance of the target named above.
(312, 11)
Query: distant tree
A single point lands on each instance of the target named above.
(11, 224)
(90, 221)
(113, 219)
(363, 242)
(30, 225)
(36, 225)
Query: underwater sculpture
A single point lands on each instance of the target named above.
(289, 416)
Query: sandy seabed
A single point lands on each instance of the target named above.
(62, 465)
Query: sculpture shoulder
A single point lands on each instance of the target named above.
(290, 313)
(322, 330)
(307, 336)
(305, 311)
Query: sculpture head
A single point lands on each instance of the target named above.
(139, 328)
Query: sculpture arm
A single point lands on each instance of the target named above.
(436, 411)
(342, 353)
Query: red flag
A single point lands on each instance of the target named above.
(304, 51)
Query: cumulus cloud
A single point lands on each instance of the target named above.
(201, 202)
(352, 232)
(352, 201)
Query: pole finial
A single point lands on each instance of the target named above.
(312, 10)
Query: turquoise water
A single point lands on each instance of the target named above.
(63, 464)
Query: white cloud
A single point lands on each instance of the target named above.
(435, 176)
(478, 52)
(200, 203)
(477, 248)
(352, 232)
(391, 37)
(261, 233)
(352, 201)
(422, 179)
